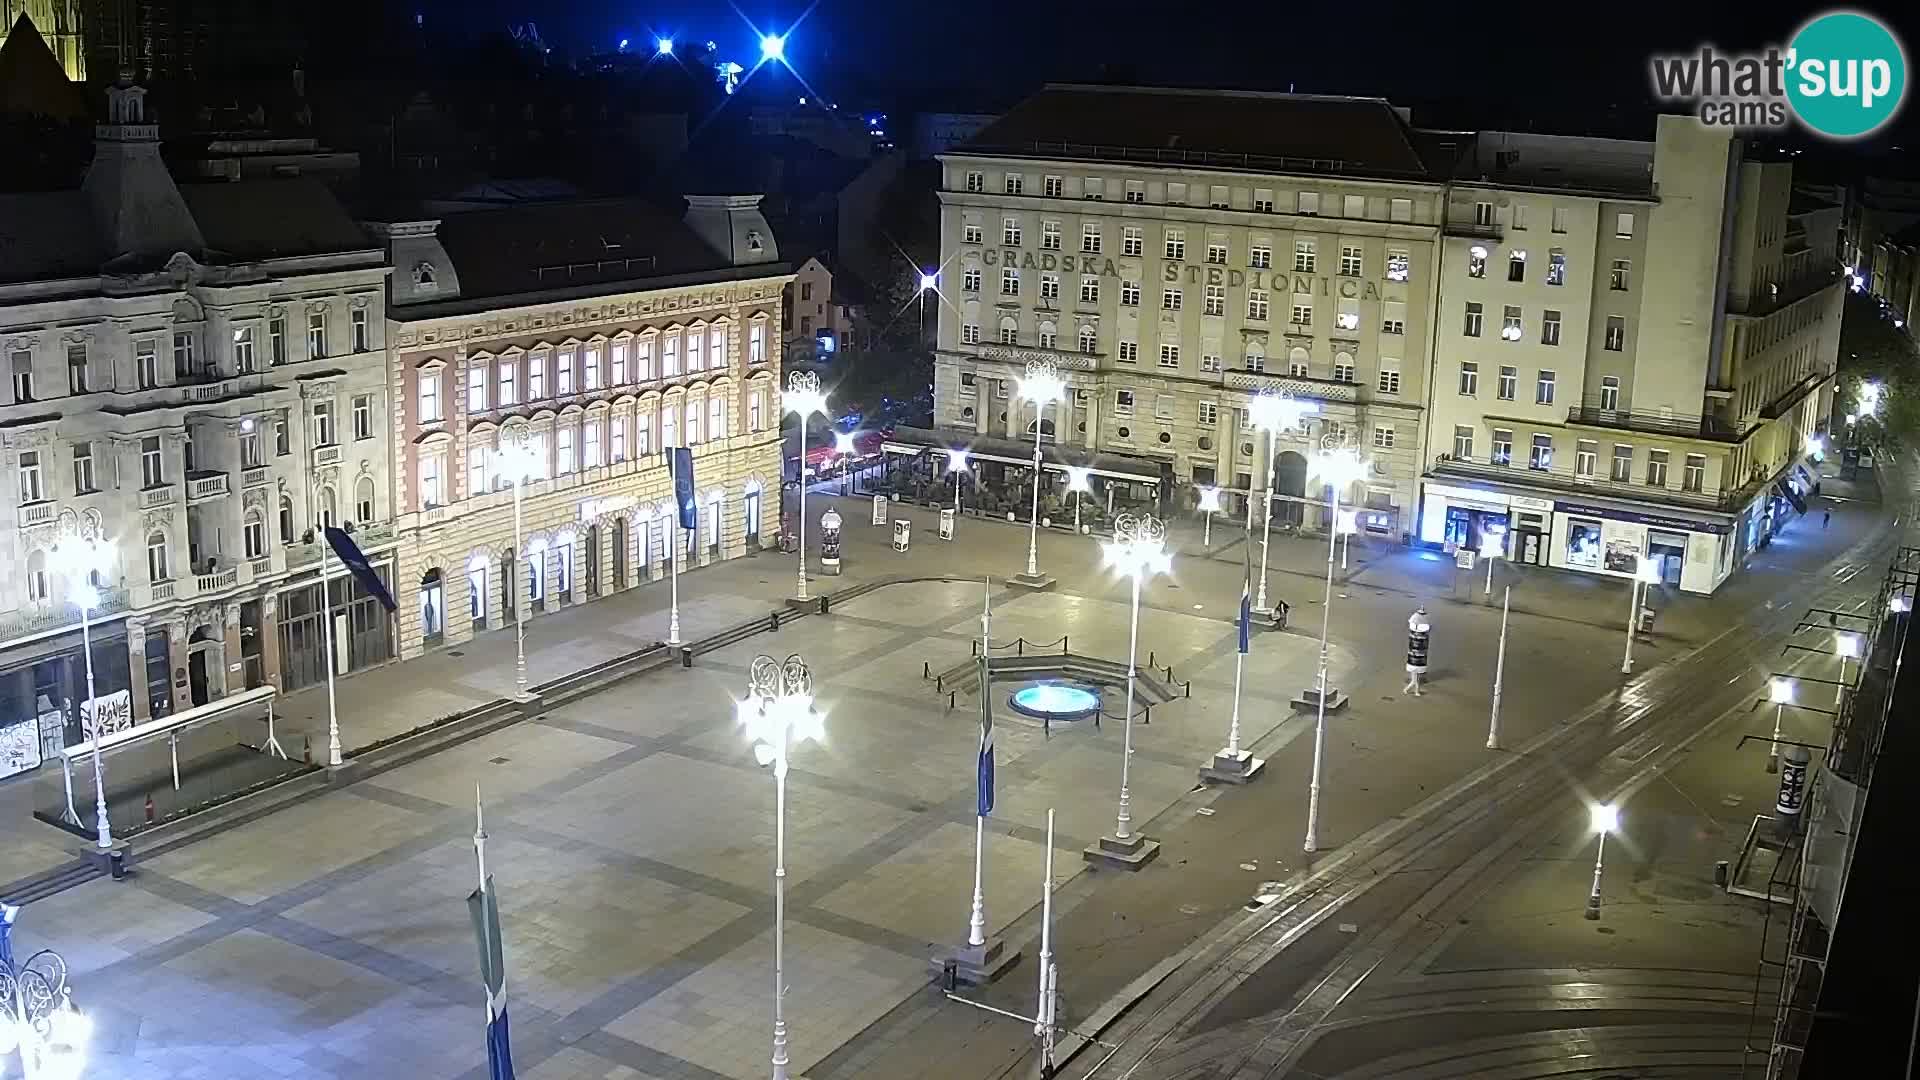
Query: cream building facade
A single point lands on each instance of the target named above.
(1176, 253)
(1636, 342)
(194, 372)
(599, 335)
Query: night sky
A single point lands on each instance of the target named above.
(1505, 64)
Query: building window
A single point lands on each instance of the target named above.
(1255, 358)
(282, 441)
(1616, 333)
(1009, 282)
(1217, 197)
(1054, 187)
(1009, 332)
(617, 429)
(1623, 226)
(77, 369)
(83, 466)
(1299, 363)
(971, 233)
(976, 181)
(1473, 320)
(277, 340)
(1262, 201)
(1093, 188)
(1123, 403)
(1695, 477)
(1136, 191)
(1257, 305)
(1502, 447)
(1622, 463)
(1090, 290)
(38, 585)
(1347, 316)
(1540, 455)
(1217, 254)
(1383, 436)
(1399, 209)
(1389, 382)
(1090, 238)
(363, 499)
(1260, 256)
(590, 367)
(1559, 219)
(509, 385)
(1307, 203)
(1216, 300)
(1176, 194)
(1169, 356)
(757, 344)
(617, 361)
(1132, 241)
(1609, 392)
(1517, 266)
(1353, 206)
(1089, 341)
(1010, 232)
(429, 402)
(970, 279)
(477, 388)
(1303, 314)
(1209, 414)
(1550, 327)
(1621, 278)
(1656, 468)
(479, 469)
(1171, 299)
(1048, 338)
(537, 364)
(254, 533)
(1176, 245)
(1543, 388)
(1556, 267)
(1050, 286)
(1399, 265)
(1586, 454)
(1050, 236)
(1483, 214)
(1210, 362)
(1350, 261)
(31, 488)
(363, 416)
(563, 448)
(1129, 294)
(323, 423)
(1462, 442)
(1509, 383)
(157, 557)
(361, 334)
(1510, 329)
(1469, 378)
(969, 333)
(1014, 183)
(146, 363)
(1303, 256)
(1343, 367)
(1476, 262)
(153, 471)
(1393, 317)
(183, 360)
(1128, 352)
(316, 334)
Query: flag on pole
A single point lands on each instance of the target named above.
(985, 777)
(683, 488)
(350, 554)
(485, 911)
(1246, 617)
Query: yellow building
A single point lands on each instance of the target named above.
(58, 22)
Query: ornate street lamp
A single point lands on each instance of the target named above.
(519, 462)
(1339, 466)
(81, 557)
(804, 399)
(1041, 384)
(1272, 412)
(1138, 550)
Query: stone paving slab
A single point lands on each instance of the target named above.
(925, 891)
(503, 763)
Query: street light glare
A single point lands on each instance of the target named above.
(1039, 387)
(929, 281)
(773, 47)
(1077, 476)
(663, 46)
(957, 460)
(1341, 468)
(843, 444)
(1273, 413)
(1847, 645)
(1780, 691)
(1898, 604)
(1606, 818)
(1209, 500)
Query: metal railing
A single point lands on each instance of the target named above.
(1590, 413)
(1560, 478)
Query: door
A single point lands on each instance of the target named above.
(477, 595)
(753, 520)
(1531, 546)
(620, 553)
(593, 560)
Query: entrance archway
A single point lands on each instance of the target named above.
(620, 541)
(433, 608)
(1290, 482)
(206, 668)
(593, 560)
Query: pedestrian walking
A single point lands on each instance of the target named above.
(1826, 516)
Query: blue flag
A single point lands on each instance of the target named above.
(349, 553)
(499, 1048)
(683, 488)
(1246, 617)
(985, 777)
(484, 908)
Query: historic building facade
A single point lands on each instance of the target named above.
(584, 371)
(1635, 344)
(1175, 253)
(195, 372)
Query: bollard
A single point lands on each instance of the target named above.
(686, 656)
(926, 669)
(117, 864)
(951, 696)
(824, 602)
(1720, 873)
(775, 622)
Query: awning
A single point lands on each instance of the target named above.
(1786, 492)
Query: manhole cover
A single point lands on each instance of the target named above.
(499, 760)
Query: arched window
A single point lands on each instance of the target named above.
(363, 500)
(286, 519)
(38, 588)
(433, 607)
(254, 532)
(1343, 366)
(1089, 340)
(1049, 336)
(329, 508)
(1256, 359)
(1009, 330)
(157, 570)
(423, 275)
(1298, 362)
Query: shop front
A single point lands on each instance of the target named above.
(1483, 520)
(1693, 554)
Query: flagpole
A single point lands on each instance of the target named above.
(1499, 670)
(977, 918)
(326, 604)
(480, 837)
(673, 548)
(1049, 984)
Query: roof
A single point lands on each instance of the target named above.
(32, 82)
(1803, 201)
(272, 218)
(47, 235)
(1209, 128)
(543, 246)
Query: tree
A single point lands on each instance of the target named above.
(1873, 350)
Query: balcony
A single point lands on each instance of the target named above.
(1794, 395)
(154, 497)
(1563, 479)
(327, 455)
(218, 580)
(161, 590)
(1474, 230)
(1295, 385)
(262, 566)
(1710, 428)
(1017, 355)
(39, 513)
(34, 620)
(206, 487)
(254, 478)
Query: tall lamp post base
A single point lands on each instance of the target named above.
(1273, 618)
(975, 965)
(1308, 700)
(1225, 768)
(1132, 853)
(1036, 582)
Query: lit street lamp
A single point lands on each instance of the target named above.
(520, 462)
(843, 446)
(1339, 466)
(777, 713)
(1077, 482)
(1606, 819)
(663, 46)
(956, 465)
(773, 47)
(84, 558)
(1041, 385)
(37, 1017)
(1780, 692)
(1138, 550)
(1272, 413)
(1646, 575)
(804, 399)
(1847, 647)
(1209, 505)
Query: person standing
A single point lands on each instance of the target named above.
(1826, 516)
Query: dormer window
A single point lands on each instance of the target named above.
(423, 278)
(753, 240)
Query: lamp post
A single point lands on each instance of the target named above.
(520, 462)
(1338, 465)
(1138, 550)
(844, 448)
(777, 713)
(1647, 573)
(804, 399)
(1499, 672)
(37, 1016)
(956, 465)
(1272, 413)
(1209, 505)
(1847, 647)
(1780, 692)
(81, 556)
(1078, 483)
(1041, 384)
(1348, 524)
(1606, 819)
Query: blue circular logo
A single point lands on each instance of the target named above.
(1846, 74)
